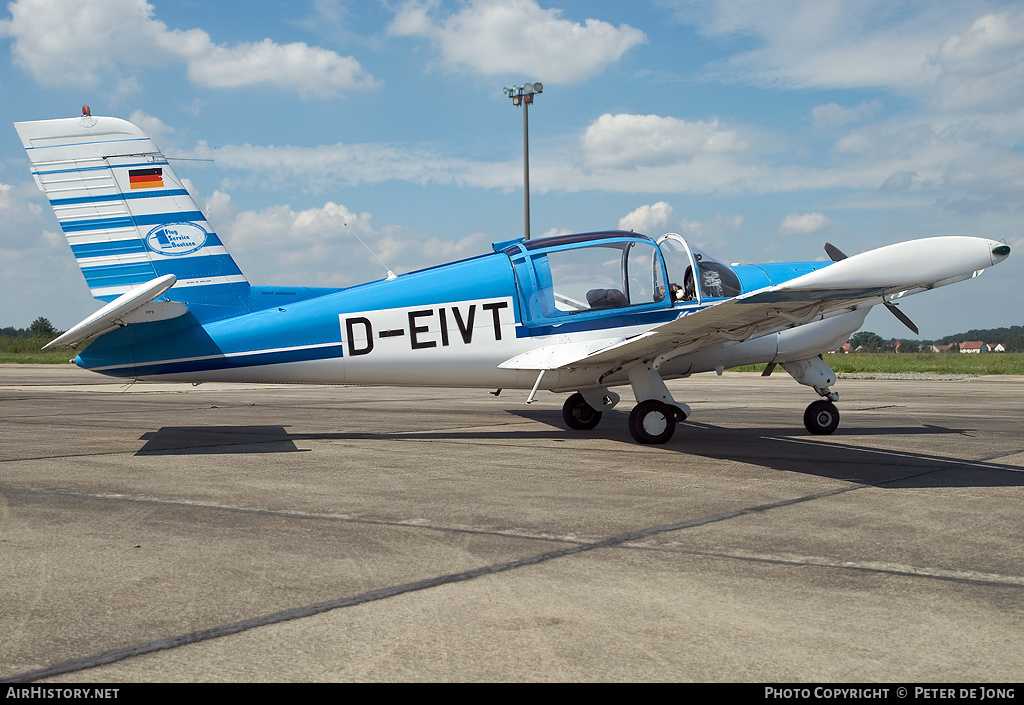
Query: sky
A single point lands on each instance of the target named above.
(758, 129)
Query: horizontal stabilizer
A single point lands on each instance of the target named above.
(124, 310)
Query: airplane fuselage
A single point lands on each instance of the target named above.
(451, 325)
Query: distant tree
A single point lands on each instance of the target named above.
(42, 328)
(987, 334)
(870, 341)
(910, 346)
(1014, 342)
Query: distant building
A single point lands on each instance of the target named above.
(998, 347)
(940, 348)
(974, 346)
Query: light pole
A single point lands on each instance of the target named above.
(523, 95)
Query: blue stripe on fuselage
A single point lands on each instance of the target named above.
(255, 359)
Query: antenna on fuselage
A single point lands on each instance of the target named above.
(391, 275)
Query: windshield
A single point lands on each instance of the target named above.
(596, 276)
(608, 275)
(680, 269)
(716, 279)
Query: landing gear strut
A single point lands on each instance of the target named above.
(821, 417)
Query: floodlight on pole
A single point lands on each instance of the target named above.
(523, 95)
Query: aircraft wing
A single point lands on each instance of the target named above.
(864, 279)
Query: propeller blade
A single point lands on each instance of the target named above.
(768, 370)
(833, 252)
(902, 317)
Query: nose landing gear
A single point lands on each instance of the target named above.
(821, 417)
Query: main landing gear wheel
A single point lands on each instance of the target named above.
(821, 417)
(578, 414)
(652, 421)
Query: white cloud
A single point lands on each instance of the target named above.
(663, 155)
(319, 247)
(834, 115)
(656, 219)
(712, 235)
(825, 43)
(323, 167)
(627, 140)
(803, 223)
(517, 37)
(296, 65)
(947, 54)
(619, 168)
(154, 127)
(647, 219)
(900, 181)
(36, 267)
(983, 67)
(67, 42)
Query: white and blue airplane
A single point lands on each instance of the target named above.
(579, 314)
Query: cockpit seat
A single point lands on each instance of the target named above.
(606, 298)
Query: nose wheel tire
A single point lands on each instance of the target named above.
(652, 421)
(578, 414)
(821, 417)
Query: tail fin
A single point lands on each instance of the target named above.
(127, 216)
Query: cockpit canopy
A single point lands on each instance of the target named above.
(589, 275)
(716, 280)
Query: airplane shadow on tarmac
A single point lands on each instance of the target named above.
(784, 449)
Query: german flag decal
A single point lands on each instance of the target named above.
(146, 178)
